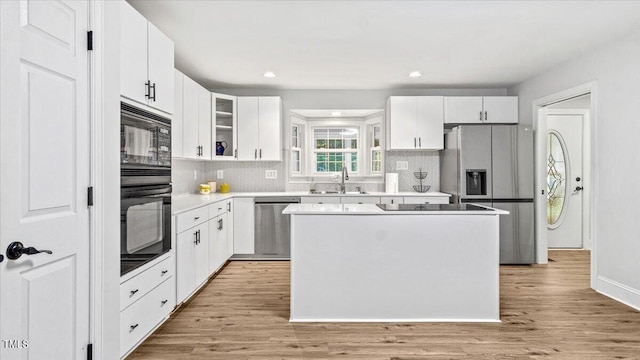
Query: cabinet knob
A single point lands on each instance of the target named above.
(133, 292)
(133, 327)
(163, 272)
(163, 302)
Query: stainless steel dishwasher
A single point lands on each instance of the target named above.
(272, 228)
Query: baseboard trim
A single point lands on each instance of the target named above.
(619, 292)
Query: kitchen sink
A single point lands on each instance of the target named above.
(324, 192)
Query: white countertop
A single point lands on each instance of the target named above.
(186, 202)
(371, 209)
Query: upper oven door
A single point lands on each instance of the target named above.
(145, 138)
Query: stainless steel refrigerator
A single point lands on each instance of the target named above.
(493, 165)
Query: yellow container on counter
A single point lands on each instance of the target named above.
(205, 189)
(224, 188)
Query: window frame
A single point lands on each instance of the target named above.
(313, 151)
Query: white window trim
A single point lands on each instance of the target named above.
(307, 175)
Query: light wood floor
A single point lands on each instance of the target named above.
(547, 312)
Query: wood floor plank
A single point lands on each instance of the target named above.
(547, 312)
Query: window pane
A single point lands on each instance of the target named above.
(556, 178)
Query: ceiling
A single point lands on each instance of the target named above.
(375, 44)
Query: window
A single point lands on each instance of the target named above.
(375, 149)
(296, 149)
(334, 148)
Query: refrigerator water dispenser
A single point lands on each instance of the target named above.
(476, 182)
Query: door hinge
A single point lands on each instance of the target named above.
(90, 196)
(89, 351)
(90, 40)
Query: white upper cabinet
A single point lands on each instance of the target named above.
(205, 135)
(176, 121)
(481, 110)
(259, 128)
(194, 101)
(501, 109)
(146, 61)
(415, 123)
(225, 127)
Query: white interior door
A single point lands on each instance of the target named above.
(564, 180)
(44, 174)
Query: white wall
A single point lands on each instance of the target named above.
(615, 67)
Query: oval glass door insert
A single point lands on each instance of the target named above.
(556, 178)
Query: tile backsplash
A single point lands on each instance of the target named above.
(249, 176)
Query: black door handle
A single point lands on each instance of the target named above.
(15, 250)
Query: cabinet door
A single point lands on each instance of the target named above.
(430, 122)
(201, 256)
(269, 129)
(391, 200)
(190, 140)
(402, 123)
(248, 125)
(463, 110)
(320, 200)
(229, 228)
(501, 109)
(185, 266)
(243, 226)
(160, 65)
(359, 200)
(217, 242)
(133, 53)
(176, 121)
(205, 134)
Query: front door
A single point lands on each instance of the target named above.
(564, 180)
(44, 175)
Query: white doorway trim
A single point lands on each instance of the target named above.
(540, 132)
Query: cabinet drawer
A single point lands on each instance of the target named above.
(141, 317)
(360, 200)
(191, 218)
(392, 200)
(136, 287)
(426, 200)
(320, 200)
(217, 209)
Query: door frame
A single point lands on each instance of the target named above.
(104, 257)
(590, 146)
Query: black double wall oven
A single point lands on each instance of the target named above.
(145, 187)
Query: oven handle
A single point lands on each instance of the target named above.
(145, 191)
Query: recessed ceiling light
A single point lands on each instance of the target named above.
(269, 74)
(336, 113)
(415, 74)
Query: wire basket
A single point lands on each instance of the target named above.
(421, 188)
(420, 174)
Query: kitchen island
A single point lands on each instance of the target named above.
(402, 264)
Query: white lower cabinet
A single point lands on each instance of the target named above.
(201, 249)
(426, 199)
(243, 226)
(320, 200)
(360, 200)
(392, 200)
(192, 260)
(218, 242)
(146, 300)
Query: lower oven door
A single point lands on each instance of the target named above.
(145, 224)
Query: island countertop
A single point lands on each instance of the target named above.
(371, 209)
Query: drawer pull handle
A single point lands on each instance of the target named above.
(133, 292)
(164, 302)
(196, 218)
(163, 272)
(133, 327)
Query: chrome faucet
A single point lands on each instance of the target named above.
(344, 176)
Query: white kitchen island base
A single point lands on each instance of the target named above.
(364, 264)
